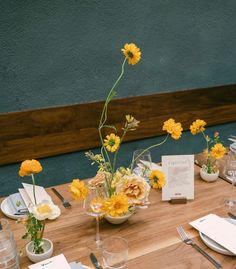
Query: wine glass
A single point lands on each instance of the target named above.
(141, 163)
(230, 174)
(94, 206)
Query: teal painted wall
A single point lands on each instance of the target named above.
(64, 52)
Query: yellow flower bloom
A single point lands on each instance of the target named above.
(218, 151)
(29, 167)
(112, 142)
(98, 205)
(46, 210)
(135, 188)
(173, 128)
(197, 126)
(157, 179)
(78, 189)
(132, 53)
(117, 205)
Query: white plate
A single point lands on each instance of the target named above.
(6, 210)
(215, 246)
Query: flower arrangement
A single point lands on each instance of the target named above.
(35, 221)
(214, 150)
(124, 189)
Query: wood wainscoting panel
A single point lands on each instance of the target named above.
(57, 130)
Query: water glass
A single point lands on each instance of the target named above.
(8, 251)
(230, 174)
(115, 252)
(141, 163)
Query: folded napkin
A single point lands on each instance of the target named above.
(17, 204)
(57, 262)
(79, 265)
(218, 229)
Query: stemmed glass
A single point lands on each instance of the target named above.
(94, 206)
(230, 173)
(141, 162)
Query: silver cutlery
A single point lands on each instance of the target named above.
(184, 237)
(232, 139)
(65, 203)
(95, 261)
(231, 215)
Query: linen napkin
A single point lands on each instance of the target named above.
(78, 265)
(218, 229)
(17, 204)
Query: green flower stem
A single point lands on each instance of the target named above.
(150, 147)
(104, 111)
(115, 156)
(43, 227)
(208, 160)
(33, 181)
(103, 117)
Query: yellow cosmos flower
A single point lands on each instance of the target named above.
(117, 205)
(173, 128)
(112, 142)
(132, 53)
(78, 189)
(157, 179)
(197, 126)
(218, 151)
(29, 167)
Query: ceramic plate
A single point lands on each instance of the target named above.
(215, 246)
(6, 210)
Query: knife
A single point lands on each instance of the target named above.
(95, 261)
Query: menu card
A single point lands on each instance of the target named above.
(179, 170)
(218, 229)
(56, 262)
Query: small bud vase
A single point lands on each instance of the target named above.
(47, 247)
(119, 220)
(208, 177)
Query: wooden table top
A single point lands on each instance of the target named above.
(151, 233)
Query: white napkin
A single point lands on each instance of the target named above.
(17, 204)
(79, 265)
(218, 229)
(56, 262)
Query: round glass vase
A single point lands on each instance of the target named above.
(209, 177)
(47, 247)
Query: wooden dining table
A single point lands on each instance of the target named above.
(151, 233)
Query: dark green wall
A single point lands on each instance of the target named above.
(63, 52)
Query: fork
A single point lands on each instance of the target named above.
(184, 237)
(65, 203)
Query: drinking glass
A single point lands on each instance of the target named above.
(230, 173)
(141, 163)
(115, 252)
(8, 251)
(94, 206)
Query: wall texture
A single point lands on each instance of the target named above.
(60, 52)
(64, 52)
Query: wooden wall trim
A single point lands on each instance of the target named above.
(52, 131)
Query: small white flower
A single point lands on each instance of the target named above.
(46, 210)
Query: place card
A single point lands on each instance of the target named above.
(218, 229)
(56, 262)
(179, 171)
